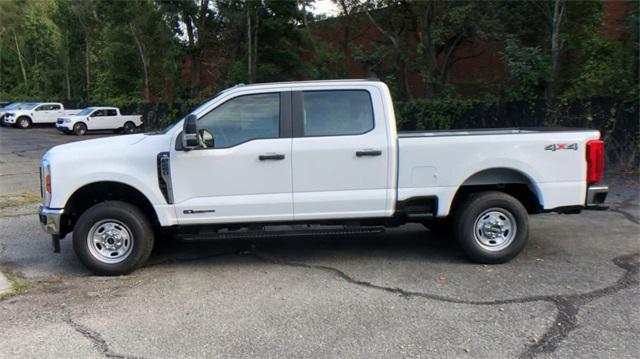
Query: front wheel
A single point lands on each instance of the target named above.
(113, 238)
(79, 129)
(24, 122)
(492, 227)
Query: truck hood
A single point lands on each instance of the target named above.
(108, 144)
(18, 112)
(108, 152)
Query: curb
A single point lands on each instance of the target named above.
(5, 285)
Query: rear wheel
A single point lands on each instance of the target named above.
(24, 122)
(113, 238)
(491, 227)
(79, 129)
(129, 127)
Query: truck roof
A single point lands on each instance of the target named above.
(306, 83)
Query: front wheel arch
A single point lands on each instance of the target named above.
(90, 194)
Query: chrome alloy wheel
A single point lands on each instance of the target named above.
(110, 241)
(495, 229)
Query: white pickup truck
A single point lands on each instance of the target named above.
(36, 113)
(98, 118)
(310, 158)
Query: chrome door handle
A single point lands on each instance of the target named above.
(371, 153)
(271, 157)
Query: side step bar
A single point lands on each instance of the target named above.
(295, 231)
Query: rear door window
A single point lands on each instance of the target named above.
(337, 113)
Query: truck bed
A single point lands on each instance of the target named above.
(489, 131)
(550, 160)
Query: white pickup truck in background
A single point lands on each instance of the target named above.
(310, 158)
(98, 118)
(8, 108)
(36, 113)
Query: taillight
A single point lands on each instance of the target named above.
(595, 161)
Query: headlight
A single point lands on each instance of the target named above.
(45, 182)
(67, 120)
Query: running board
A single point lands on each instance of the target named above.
(294, 232)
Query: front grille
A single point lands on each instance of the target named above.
(60, 121)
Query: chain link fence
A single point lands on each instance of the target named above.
(618, 121)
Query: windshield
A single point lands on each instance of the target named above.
(11, 106)
(26, 106)
(86, 111)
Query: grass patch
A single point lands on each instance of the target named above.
(19, 286)
(18, 199)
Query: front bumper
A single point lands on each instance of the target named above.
(596, 195)
(50, 219)
(9, 120)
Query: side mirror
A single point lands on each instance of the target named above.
(190, 133)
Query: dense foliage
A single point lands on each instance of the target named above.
(104, 51)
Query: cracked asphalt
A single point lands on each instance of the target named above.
(573, 292)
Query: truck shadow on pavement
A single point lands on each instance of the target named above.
(418, 245)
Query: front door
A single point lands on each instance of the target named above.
(340, 155)
(96, 120)
(244, 172)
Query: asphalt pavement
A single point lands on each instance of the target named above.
(406, 293)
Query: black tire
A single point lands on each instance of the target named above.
(130, 220)
(129, 127)
(79, 129)
(496, 210)
(23, 122)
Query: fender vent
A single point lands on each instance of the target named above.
(164, 176)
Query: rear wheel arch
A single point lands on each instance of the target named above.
(502, 179)
(91, 194)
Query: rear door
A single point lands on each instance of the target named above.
(55, 112)
(45, 113)
(112, 120)
(340, 154)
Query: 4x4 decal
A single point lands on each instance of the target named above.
(561, 146)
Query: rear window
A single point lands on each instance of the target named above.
(337, 113)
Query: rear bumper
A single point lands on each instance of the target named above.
(50, 219)
(596, 195)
